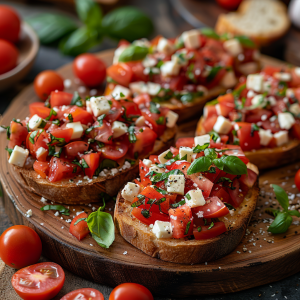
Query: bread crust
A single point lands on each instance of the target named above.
(85, 191)
(186, 251)
(267, 158)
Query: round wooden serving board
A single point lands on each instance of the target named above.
(260, 258)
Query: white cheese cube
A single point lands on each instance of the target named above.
(222, 126)
(265, 136)
(253, 167)
(179, 58)
(258, 101)
(162, 230)
(248, 68)
(142, 43)
(295, 108)
(156, 169)
(286, 120)
(140, 121)
(18, 156)
(40, 152)
(130, 191)
(162, 158)
(149, 62)
(153, 88)
(194, 198)
(119, 128)
(191, 39)
(138, 87)
(88, 107)
(99, 105)
(118, 90)
(233, 47)
(170, 68)
(147, 162)
(172, 118)
(266, 87)
(297, 71)
(229, 80)
(118, 52)
(281, 137)
(176, 184)
(35, 122)
(202, 139)
(165, 46)
(77, 130)
(272, 100)
(186, 151)
(282, 76)
(255, 82)
(290, 93)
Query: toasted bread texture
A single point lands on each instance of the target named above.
(186, 251)
(267, 158)
(262, 20)
(82, 191)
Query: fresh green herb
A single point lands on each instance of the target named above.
(187, 228)
(190, 72)
(106, 164)
(52, 113)
(145, 213)
(163, 192)
(154, 108)
(199, 229)
(210, 153)
(131, 161)
(76, 100)
(245, 41)
(159, 63)
(60, 142)
(212, 170)
(254, 128)
(229, 206)
(9, 150)
(110, 80)
(57, 154)
(175, 205)
(70, 118)
(56, 122)
(188, 196)
(201, 164)
(32, 136)
(282, 87)
(7, 128)
(164, 176)
(213, 73)
(179, 43)
(133, 53)
(79, 220)
(132, 136)
(231, 165)
(60, 208)
(160, 120)
(84, 163)
(110, 138)
(136, 155)
(169, 155)
(89, 13)
(214, 136)
(199, 148)
(140, 202)
(128, 119)
(74, 170)
(211, 225)
(210, 33)
(100, 119)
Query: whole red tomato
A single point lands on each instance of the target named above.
(10, 24)
(20, 246)
(8, 56)
(229, 4)
(47, 82)
(89, 69)
(130, 291)
(297, 180)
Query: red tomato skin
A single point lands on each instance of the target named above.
(8, 55)
(58, 98)
(229, 4)
(72, 149)
(121, 73)
(61, 168)
(86, 292)
(297, 180)
(89, 69)
(80, 115)
(38, 294)
(65, 133)
(137, 213)
(93, 160)
(248, 141)
(42, 168)
(18, 134)
(20, 246)
(185, 142)
(81, 229)
(296, 130)
(10, 24)
(206, 233)
(130, 291)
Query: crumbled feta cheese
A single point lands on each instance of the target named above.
(176, 184)
(138, 87)
(258, 101)
(18, 156)
(191, 39)
(153, 88)
(165, 46)
(29, 213)
(297, 71)
(149, 62)
(35, 122)
(295, 108)
(99, 105)
(170, 68)
(156, 169)
(282, 76)
(147, 162)
(40, 151)
(265, 136)
(162, 230)
(56, 214)
(286, 120)
(130, 191)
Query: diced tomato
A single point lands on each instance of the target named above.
(71, 150)
(295, 82)
(93, 161)
(185, 142)
(174, 151)
(18, 134)
(224, 108)
(214, 208)
(236, 196)
(42, 168)
(270, 70)
(38, 108)
(209, 111)
(249, 139)
(236, 151)
(143, 171)
(227, 98)
(65, 133)
(224, 174)
(113, 115)
(58, 98)
(142, 99)
(151, 120)
(296, 130)
(123, 42)
(40, 140)
(273, 126)
(61, 168)
(257, 115)
(154, 159)
(81, 229)
(224, 138)
(121, 73)
(137, 212)
(137, 69)
(249, 179)
(181, 219)
(212, 176)
(80, 115)
(279, 107)
(220, 192)
(209, 123)
(130, 110)
(115, 151)
(203, 233)
(139, 183)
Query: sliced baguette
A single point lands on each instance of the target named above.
(262, 20)
(180, 250)
(267, 158)
(85, 191)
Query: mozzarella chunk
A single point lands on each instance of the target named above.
(290, 93)
(176, 184)
(118, 52)
(130, 191)
(147, 162)
(233, 46)
(228, 80)
(118, 90)
(202, 139)
(252, 167)
(40, 152)
(295, 108)
(191, 39)
(77, 130)
(186, 151)
(286, 120)
(297, 71)
(179, 58)
(170, 68)
(281, 137)
(265, 136)
(281, 76)
(138, 87)
(194, 198)
(153, 88)
(255, 82)
(140, 121)
(272, 100)
(165, 46)
(172, 118)
(248, 68)
(119, 128)
(35, 122)
(222, 126)
(149, 62)
(266, 87)
(258, 100)
(162, 230)
(162, 158)
(156, 169)
(99, 106)
(18, 156)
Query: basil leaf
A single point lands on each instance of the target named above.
(281, 223)
(294, 213)
(79, 220)
(164, 176)
(106, 164)
(199, 229)
(210, 153)
(160, 120)
(281, 196)
(52, 113)
(51, 27)
(9, 150)
(209, 32)
(200, 164)
(127, 23)
(182, 202)
(60, 208)
(233, 165)
(76, 100)
(132, 136)
(236, 93)
(84, 164)
(229, 206)
(213, 73)
(100, 119)
(169, 155)
(211, 225)
(245, 41)
(7, 128)
(154, 108)
(32, 136)
(187, 227)
(56, 122)
(102, 228)
(56, 141)
(131, 161)
(89, 13)
(214, 136)
(199, 148)
(218, 163)
(133, 53)
(188, 196)
(163, 192)
(70, 118)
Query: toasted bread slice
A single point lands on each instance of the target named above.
(186, 251)
(263, 21)
(82, 191)
(267, 158)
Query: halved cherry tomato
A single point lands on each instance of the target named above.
(41, 281)
(58, 98)
(203, 233)
(130, 291)
(84, 294)
(93, 161)
(42, 168)
(181, 219)
(8, 54)
(80, 115)
(81, 229)
(102, 134)
(72, 149)
(121, 73)
(137, 212)
(20, 246)
(18, 134)
(61, 168)
(249, 138)
(115, 151)
(237, 196)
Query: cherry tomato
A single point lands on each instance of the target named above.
(114, 151)
(84, 294)
(81, 229)
(20, 246)
(89, 69)
(229, 4)
(130, 291)
(72, 149)
(121, 73)
(8, 55)
(61, 168)
(47, 82)
(297, 180)
(41, 281)
(10, 24)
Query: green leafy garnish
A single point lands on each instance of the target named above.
(60, 208)
(52, 113)
(132, 136)
(245, 41)
(133, 53)
(210, 33)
